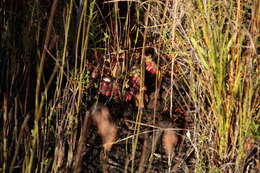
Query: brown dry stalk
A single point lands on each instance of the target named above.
(43, 55)
(143, 155)
(18, 144)
(82, 141)
(5, 132)
(38, 101)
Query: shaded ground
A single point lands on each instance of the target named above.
(120, 155)
(101, 50)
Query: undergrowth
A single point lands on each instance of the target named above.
(194, 63)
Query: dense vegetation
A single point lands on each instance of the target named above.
(181, 80)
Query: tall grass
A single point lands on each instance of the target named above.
(220, 42)
(211, 47)
(225, 81)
